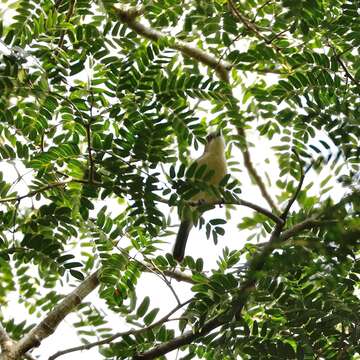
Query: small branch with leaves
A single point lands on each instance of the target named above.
(110, 339)
(63, 32)
(128, 16)
(343, 66)
(41, 190)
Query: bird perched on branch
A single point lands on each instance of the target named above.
(214, 159)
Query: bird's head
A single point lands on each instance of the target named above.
(215, 142)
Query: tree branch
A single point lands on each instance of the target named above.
(179, 276)
(248, 24)
(343, 66)
(49, 324)
(294, 197)
(128, 17)
(297, 228)
(110, 339)
(34, 192)
(261, 210)
(245, 203)
(253, 173)
(6, 343)
(91, 177)
(63, 32)
(42, 189)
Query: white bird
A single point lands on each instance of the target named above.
(214, 159)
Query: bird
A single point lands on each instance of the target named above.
(214, 159)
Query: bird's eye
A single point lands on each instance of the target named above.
(209, 137)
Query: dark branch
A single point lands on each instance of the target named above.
(343, 66)
(63, 32)
(90, 157)
(248, 24)
(298, 189)
(248, 204)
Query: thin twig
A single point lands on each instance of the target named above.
(277, 35)
(168, 284)
(255, 176)
(260, 210)
(339, 60)
(153, 269)
(298, 189)
(110, 339)
(63, 32)
(91, 177)
(34, 192)
(42, 189)
(248, 24)
(260, 8)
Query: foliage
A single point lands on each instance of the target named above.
(100, 111)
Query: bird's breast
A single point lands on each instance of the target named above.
(218, 165)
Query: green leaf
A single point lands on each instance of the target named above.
(143, 308)
(150, 317)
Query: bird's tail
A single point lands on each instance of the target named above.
(181, 239)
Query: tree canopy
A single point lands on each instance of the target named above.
(102, 104)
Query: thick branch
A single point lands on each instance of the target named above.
(179, 276)
(128, 16)
(6, 344)
(48, 325)
(187, 338)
